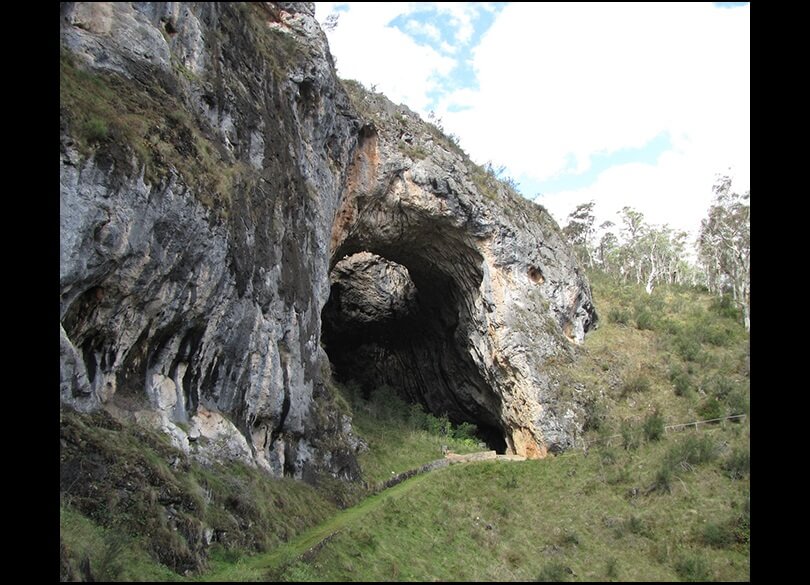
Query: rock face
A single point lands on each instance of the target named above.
(203, 153)
(214, 171)
(499, 294)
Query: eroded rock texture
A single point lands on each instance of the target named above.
(203, 149)
(214, 172)
(499, 293)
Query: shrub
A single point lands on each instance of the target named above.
(386, 404)
(721, 387)
(692, 568)
(635, 384)
(465, 431)
(718, 535)
(680, 380)
(595, 414)
(737, 402)
(607, 455)
(645, 319)
(738, 464)
(710, 409)
(554, 572)
(717, 334)
(612, 568)
(684, 455)
(687, 346)
(630, 435)
(437, 425)
(619, 315)
(693, 450)
(417, 418)
(568, 538)
(654, 426)
(95, 130)
(725, 307)
(742, 529)
(662, 482)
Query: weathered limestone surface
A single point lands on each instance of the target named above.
(214, 172)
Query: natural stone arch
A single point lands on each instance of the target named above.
(498, 292)
(396, 317)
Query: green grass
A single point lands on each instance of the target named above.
(669, 506)
(401, 436)
(126, 484)
(112, 554)
(462, 523)
(689, 358)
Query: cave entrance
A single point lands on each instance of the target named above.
(402, 324)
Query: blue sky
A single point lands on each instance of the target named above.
(623, 104)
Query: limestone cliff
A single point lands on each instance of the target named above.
(214, 171)
(494, 293)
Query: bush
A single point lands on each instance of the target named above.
(630, 435)
(710, 409)
(687, 346)
(725, 307)
(680, 380)
(717, 334)
(738, 402)
(619, 315)
(683, 456)
(693, 450)
(635, 384)
(645, 319)
(742, 529)
(720, 387)
(692, 568)
(386, 404)
(95, 130)
(637, 526)
(720, 535)
(654, 426)
(595, 414)
(612, 568)
(417, 418)
(662, 482)
(554, 572)
(738, 464)
(465, 431)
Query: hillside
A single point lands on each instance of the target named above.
(642, 503)
(647, 504)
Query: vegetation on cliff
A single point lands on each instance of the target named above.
(643, 503)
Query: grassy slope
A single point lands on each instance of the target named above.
(659, 510)
(519, 521)
(119, 480)
(270, 566)
(400, 436)
(123, 486)
(676, 508)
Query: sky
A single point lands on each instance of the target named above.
(624, 104)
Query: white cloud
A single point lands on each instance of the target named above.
(425, 28)
(369, 51)
(461, 15)
(570, 80)
(559, 82)
(448, 48)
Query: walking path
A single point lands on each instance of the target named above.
(309, 542)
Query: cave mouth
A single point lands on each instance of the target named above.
(386, 324)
